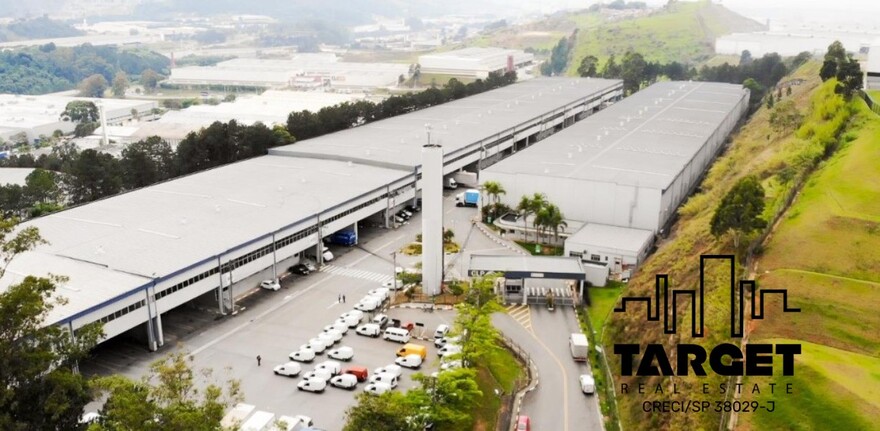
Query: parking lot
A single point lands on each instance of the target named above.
(272, 324)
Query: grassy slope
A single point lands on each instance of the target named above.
(826, 252)
(685, 32)
(758, 150)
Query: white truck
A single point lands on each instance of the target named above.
(259, 421)
(579, 347)
(235, 418)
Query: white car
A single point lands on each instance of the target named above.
(393, 285)
(270, 284)
(289, 369)
(381, 293)
(392, 369)
(332, 366)
(312, 385)
(368, 303)
(448, 350)
(324, 375)
(355, 314)
(343, 353)
(338, 326)
(369, 329)
(331, 337)
(381, 320)
(303, 355)
(409, 361)
(440, 342)
(344, 381)
(377, 388)
(318, 345)
(588, 385)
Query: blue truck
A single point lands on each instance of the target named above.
(344, 237)
(469, 198)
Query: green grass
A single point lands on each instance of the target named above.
(546, 250)
(603, 300)
(875, 94)
(831, 389)
(683, 32)
(500, 372)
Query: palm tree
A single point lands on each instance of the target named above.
(542, 219)
(525, 209)
(494, 189)
(555, 220)
(538, 202)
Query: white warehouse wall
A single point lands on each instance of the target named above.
(586, 201)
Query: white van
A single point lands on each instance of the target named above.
(353, 314)
(368, 303)
(399, 335)
(259, 421)
(441, 331)
(380, 292)
(319, 373)
(369, 329)
(449, 349)
(387, 378)
(291, 423)
(312, 385)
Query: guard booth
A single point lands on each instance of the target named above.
(534, 279)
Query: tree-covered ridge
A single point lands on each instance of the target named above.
(46, 69)
(36, 28)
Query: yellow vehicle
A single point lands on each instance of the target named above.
(413, 349)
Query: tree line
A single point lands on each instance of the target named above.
(49, 68)
(307, 124)
(85, 176)
(758, 75)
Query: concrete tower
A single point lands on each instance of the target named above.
(432, 217)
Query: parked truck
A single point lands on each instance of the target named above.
(469, 198)
(450, 183)
(579, 347)
(344, 237)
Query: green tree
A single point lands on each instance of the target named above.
(525, 209)
(739, 212)
(834, 58)
(756, 93)
(537, 202)
(168, 398)
(80, 111)
(92, 176)
(150, 80)
(447, 399)
(849, 77)
(553, 219)
(632, 71)
(147, 162)
(93, 86)
(42, 187)
(390, 411)
(494, 189)
(12, 200)
(745, 58)
(770, 101)
(588, 66)
(611, 70)
(120, 83)
(39, 389)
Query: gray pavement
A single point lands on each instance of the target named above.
(557, 403)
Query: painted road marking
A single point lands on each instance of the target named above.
(357, 273)
(522, 315)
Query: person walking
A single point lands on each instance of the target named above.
(259, 360)
(343, 299)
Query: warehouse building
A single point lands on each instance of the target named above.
(41, 115)
(629, 166)
(133, 257)
(475, 62)
(872, 69)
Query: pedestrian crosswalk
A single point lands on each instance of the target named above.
(357, 273)
(521, 314)
(558, 292)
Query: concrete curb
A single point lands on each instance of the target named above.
(534, 377)
(500, 241)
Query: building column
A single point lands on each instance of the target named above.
(151, 338)
(220, 288)
(319, 253)
(274, 259)
(73, 339)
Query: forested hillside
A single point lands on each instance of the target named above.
(48, 68)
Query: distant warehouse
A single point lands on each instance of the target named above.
(475, 62)
(628, 167)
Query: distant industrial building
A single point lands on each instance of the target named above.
(475, 62)
(270, 108)
(214, 235)
(16, 176)
(302, 71)
(629, 166)
(41, 115)
(872, 68)
(793, 42)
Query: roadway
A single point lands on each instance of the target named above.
(557, 403)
